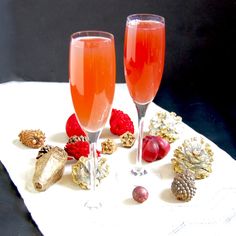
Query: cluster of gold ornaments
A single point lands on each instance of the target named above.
(81, 171)
(109, 146)
(191, 160)
(50, 160)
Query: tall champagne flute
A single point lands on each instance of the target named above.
(92, 75)
(144, 54)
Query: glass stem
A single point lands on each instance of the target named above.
(141, 109)
(93, 166)
(93, 137)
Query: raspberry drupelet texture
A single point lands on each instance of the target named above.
(77, 147)
(120, 123)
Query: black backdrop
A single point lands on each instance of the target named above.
(35, 35)
(198, 81)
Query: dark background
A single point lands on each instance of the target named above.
(198, 81)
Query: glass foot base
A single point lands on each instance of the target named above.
(93, 205)
(138, 171)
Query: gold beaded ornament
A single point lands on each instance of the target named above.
(32, 138)
(127, 139)
(108, 146)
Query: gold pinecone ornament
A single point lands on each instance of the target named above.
(167, 125)
(183, 186)
(194, 155)
(32, 138)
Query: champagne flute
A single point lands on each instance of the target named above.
(92, 75)
(144, 55)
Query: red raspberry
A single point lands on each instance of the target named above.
(73, 127)
(120, 123)
(77, 148)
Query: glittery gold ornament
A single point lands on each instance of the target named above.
(81, 172)
(49, 168)
(195, 155)
(108, 146)
(167, 125)
(183, 186)
(32, 138)
(127, 139)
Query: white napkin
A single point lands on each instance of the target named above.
(60, 210)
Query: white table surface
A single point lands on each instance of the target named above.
(60, 211)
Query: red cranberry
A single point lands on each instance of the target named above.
(164, 147)
(150, 149)
(154, 148)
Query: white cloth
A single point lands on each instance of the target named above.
(60, 211)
